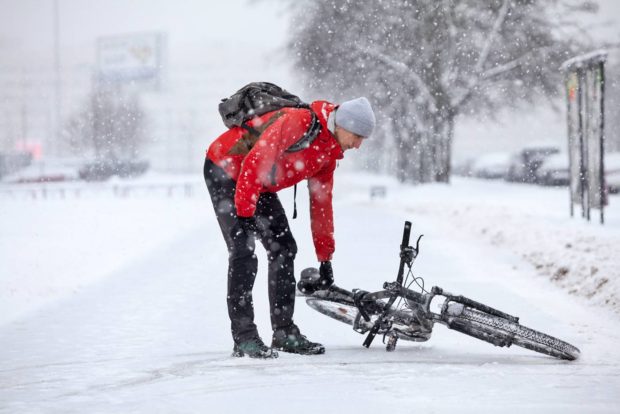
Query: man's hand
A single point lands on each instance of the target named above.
(310, 282)
(327, 275)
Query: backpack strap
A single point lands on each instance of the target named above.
(295, 202)
(253, 134)
(250, 129)
(249, 138)
(304, 142)
(309, 136)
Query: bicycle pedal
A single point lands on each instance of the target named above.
(391, 343)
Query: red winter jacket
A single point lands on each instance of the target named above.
(254, 170)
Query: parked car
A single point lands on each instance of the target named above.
(45, 171)
(13, 161)
(491, 166)
(525, 163)
(554, 170)
(102, 170)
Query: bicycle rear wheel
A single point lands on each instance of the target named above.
(343, 312)
(488, 327)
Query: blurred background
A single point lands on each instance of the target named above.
(95, 89)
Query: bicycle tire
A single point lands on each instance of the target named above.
(338, 310)
(519, 335)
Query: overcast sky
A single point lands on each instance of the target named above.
(26, 26)
(216, 38)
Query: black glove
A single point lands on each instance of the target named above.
(327, 275)
(308, 280)
(247, 225)
(313, 279)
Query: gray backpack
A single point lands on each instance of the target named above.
(258, 98)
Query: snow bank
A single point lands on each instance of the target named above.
(533, 223)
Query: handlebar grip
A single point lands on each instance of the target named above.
(406, 234)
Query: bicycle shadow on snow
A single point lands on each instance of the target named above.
(439, 355)
(405, 354)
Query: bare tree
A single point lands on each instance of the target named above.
(425, 62)
(111, 126)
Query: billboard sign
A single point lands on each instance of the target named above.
(131, 57)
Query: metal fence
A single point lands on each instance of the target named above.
(59, 191)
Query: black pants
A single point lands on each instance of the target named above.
(242, 262)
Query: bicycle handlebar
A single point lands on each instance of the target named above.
(399, 279)
(403, 247)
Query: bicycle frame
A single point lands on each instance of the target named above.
(415, 321)
(419, 303)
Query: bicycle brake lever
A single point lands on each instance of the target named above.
(409, 253)
(417, 245)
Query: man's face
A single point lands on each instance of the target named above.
(347, 139)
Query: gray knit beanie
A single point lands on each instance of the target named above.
(356, 116)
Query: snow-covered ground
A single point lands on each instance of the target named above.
(117, 304)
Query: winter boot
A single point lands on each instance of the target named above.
(254, 348)
(292, 341)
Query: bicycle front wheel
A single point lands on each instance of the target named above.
(489, 328)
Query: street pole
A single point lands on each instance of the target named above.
(54, 143)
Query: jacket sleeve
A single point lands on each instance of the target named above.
(321, 213)
(258, 164)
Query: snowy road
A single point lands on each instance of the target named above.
(152, 336)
